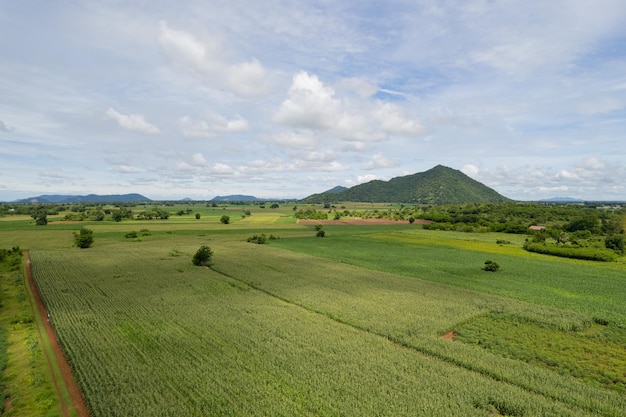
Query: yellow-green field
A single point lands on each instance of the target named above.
(350, 324)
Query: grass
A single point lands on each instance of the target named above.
(595, 354)
(26, 379)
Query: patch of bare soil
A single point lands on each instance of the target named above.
(66, 372)
(448, 336)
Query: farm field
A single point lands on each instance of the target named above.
(350, 324)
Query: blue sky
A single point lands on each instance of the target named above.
(286, 99)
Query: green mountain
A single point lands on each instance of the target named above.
(91, 198)
(438, 185)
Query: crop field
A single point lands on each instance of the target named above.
(348, 325)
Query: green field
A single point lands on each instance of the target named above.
(345, 325)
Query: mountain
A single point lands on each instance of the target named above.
(235, 197)
(438, 185)
(91, 198)
(561, 200)
(336, 189)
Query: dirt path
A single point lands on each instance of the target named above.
(66, 372)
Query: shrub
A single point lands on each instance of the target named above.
(225, 219)
(203, 256)
(320, 233)
(84, 238)
(131, 235)
(260, 239)
(491, 266)
(615, 243)
(587, 253)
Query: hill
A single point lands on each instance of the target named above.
(438, 185)
(234, 197)
(91, 198)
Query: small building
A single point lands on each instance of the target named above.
(536, 227)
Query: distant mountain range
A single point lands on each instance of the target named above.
(561, 200)
(91, 198)
(234, 197)
(438, 185)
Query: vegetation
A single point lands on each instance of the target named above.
(84, 238)
(25, 378)
(491, 266)
(203, 257)
(352, 326)
(439, 185)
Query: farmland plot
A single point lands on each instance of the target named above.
(271, 332)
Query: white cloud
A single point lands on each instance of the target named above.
(378, 161)
(310, 104)
(216, 124)
(133, 122)
(126, 169)
(393, 120)
(214, 66)
(361, 179)
(198, 160)
(291, 139)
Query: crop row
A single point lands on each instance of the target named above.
(278, 333)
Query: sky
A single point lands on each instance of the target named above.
(283, 99)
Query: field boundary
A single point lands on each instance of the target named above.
(57, 362)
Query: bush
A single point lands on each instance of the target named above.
(587, 253)
(225, 219)
(491, 266)
(320, 233)
(131, 235)
(260, 239)
(203, 256)
(615, 243)
(84, 238)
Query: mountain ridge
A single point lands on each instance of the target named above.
(90, 198)
(438, 185)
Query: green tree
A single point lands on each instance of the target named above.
(225, 219)
(203, 257)
(197, 216)
(84, 238)
(41, 219)
(615, 242)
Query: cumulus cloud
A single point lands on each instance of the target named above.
(133, 122)
(393, 120)
(313, 105)
(378, 161)
(310, 104)
(207, 60)
(361, 179)
(214, 125)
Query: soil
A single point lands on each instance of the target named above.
(448, 336)
(363, 221)
(78, 401)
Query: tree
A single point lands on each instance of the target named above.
(203, 256)
(41, 219)
(197, 216)
(225, 219)
(615, 242)
(84, 238)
